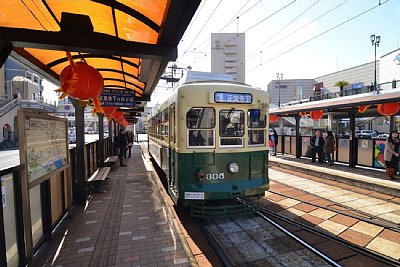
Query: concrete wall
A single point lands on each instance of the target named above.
(362, 73)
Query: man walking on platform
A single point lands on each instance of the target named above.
(122, 143)
(317, 144)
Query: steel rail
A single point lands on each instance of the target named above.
(368, 253)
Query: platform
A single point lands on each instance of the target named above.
(128, 225)
(368, 178)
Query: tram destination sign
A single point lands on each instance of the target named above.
(238, 98)
(117, 97)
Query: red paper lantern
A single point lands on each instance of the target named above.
(118, 115)
(316, 114)
(362, 109)
(81, 81)
(388, 109)
(273, 118)
(303, 114)
(108, 111)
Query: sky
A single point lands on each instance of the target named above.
(299, 38)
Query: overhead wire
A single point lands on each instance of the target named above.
(305, 25)
(230, 21)
(204, 25)
(194, 19)
(319, 35)
(264, 19)
(281, 29)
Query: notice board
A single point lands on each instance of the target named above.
(43, 145)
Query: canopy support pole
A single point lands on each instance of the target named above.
(298, 136)
(101, 138)
(80, 153)
(353, 140)
(392, 122)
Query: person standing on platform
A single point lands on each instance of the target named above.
(329, 147)
(317, 144)
(275, 140)
(391, 154)
(122, 144)
(129, 137)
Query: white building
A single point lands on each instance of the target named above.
(390, 67)
(228, 54)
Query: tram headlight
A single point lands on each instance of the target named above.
(201, 175)
(233, 167)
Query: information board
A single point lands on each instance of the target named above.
(46, 144)
(117, 97)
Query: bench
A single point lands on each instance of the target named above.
(111, 162)
(99, 175)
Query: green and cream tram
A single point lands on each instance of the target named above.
(210, 139)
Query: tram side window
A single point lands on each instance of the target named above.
(200, 122)
(164, 119)
(256, 136)
(231, 125)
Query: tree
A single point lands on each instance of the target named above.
(341, 84)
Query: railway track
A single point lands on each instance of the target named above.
(354, 255)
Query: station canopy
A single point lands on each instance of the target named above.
(129, 42)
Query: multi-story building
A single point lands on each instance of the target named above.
(20, 87)
(285, 91)
(228, 54)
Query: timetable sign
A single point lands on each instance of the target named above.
(238, 98)
(117, 98)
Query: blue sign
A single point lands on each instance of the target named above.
(357, 85)
(238, 98)
(117, 97)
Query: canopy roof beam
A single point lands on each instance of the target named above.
(95, 43)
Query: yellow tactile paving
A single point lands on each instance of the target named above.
(361, 203)
(378, 209)
(322, 213)
(385, 247)
(346, 198)
(366, 228)
(333, 227)
(390, 217)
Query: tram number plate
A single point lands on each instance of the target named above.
(194, 195)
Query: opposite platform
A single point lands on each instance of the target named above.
(128, 225)
(362, 177)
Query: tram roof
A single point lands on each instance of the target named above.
(129, 42)
(341, 104)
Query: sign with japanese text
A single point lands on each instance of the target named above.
(117, 97)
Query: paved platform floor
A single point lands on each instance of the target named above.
(288, 191)
(128, 225)
(367, 178)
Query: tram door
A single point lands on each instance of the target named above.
(172, 181)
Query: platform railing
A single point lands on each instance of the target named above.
(49, 202)
(369, 150)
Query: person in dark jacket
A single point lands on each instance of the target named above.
(122, 143)
(329, 147)
(129, 138)
(275, 140)
(317, 145)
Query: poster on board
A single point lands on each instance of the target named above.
(46, 145)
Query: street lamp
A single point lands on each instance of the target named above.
(279, 77)
(375, 42)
